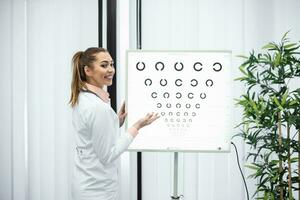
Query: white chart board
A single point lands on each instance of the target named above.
(192, 92)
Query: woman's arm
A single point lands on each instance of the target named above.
(103, 129)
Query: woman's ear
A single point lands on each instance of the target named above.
(87, 70)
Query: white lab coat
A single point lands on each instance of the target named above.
(98, 147)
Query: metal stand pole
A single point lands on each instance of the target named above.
(175, 182)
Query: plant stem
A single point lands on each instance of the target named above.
(289, 163)
(280, 162)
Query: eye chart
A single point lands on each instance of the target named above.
(191, 90)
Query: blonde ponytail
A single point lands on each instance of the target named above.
(77, 83)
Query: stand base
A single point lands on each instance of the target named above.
(177, 197)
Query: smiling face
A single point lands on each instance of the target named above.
(101, 71)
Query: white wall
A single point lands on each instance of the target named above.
(6, 101)
(38, 39)
(12, 100)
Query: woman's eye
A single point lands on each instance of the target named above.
(106, 65)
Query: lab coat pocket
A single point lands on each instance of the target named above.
(83, 154)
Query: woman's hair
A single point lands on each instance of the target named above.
(79, 61)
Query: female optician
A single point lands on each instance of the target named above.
(98, 143)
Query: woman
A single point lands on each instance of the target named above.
(98, 143)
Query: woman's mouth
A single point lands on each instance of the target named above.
(109, 77)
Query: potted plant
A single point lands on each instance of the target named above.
(271, 119)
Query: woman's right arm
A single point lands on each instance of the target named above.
(102, 128)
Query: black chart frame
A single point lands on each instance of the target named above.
(139, 46)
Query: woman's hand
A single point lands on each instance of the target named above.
(148, 119)
(122, 114)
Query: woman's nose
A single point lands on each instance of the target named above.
(111, 68)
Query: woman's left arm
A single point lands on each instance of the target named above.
(122, 114)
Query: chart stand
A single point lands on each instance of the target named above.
(175, 179)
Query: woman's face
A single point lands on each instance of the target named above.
(102, 70)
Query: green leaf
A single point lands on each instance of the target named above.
(294, 159)
(287, 46)
(242, 70)
(252, 167)
(284, 37)
(269, 46)
(277, 103)
(284, 97)
(240, 78)
(242, 56)
(293, 102)
(277, 59)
